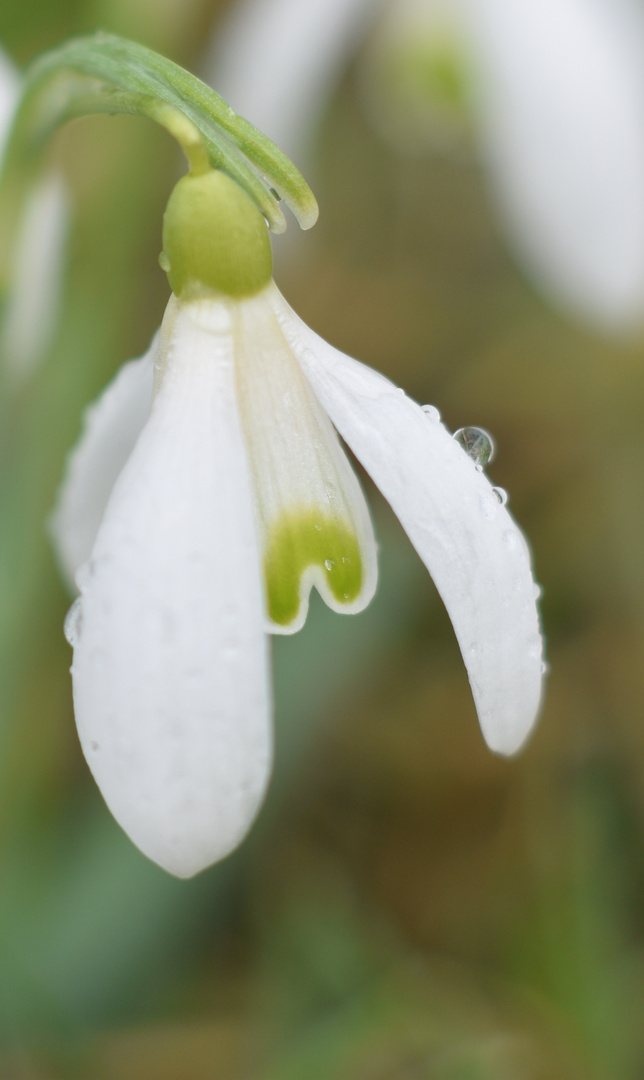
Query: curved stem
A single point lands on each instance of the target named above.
(107, 74)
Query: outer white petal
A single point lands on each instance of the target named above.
(561, 102)
(277, 61)
(469, 542)
(170, 665)
(111, 427)
(300, 471)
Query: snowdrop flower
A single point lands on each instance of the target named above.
(556, 92)
(35, 278)
(209, 493)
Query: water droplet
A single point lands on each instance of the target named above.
(329, 563)
(501, 495)
(400, 390)
(318, 526)
(346, 595)
(431, 412)
(537, 591)
(545, 667)
(346, 560)
(74, 622)
(164, 262)
(477, 444)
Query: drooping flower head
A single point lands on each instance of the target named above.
(224, 496)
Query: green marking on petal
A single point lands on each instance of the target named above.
(300, 540)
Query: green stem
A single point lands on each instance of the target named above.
(107, 74)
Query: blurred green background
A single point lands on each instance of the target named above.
(408, 906)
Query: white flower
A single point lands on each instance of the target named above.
(205, 509)
(35, 279)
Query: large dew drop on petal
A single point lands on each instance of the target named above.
(470, 544)
(313, 520)
(170, 667)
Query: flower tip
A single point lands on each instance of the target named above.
(308, 213)
(507, 730)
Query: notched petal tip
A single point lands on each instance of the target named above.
(312, 518)
(311, 548)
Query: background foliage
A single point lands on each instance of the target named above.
(407, 906)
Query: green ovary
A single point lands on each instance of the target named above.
(299, 540)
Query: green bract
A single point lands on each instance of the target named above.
(214, 239)
(107, 74)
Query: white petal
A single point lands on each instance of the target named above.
(170, 662)
(561, 102)
(470, 544)
(277, 61)
(313, 520)
(111, 427)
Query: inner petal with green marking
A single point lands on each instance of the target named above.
(307, 549)
(312, 518)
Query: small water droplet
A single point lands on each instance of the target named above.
(329, 563)
(477, 444)
(431, 412)
(400, 390)
(164, 262)
(346, 595)
(537, 591)
(74, 622)
(545, 667)
(346, 560)
(318, 526)
(501, 495)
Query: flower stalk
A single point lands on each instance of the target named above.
(107, 74)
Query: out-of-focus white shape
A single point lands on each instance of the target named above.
(33, 295)
(277, 61)
(560, 99)
(9, 90)
(412, 76)
(35, 289)
(557, 88)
